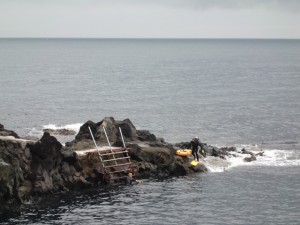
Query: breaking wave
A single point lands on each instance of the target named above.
(37, 132)
(73, 127)
(270, 157)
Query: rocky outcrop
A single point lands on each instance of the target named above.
(29, 169)
(34, 168)
(153, 157)
(160, 162)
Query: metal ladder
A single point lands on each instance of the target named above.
(116, 163)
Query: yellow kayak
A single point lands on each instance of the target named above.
(184, 152)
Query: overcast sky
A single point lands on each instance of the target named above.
(150, 18)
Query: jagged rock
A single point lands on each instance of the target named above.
(220, 152)
(4, 132)
(159, 162)
(84, 132)
(181, 165)
(11, 174)
(112, 129)
(71, 158)
(46, 152)
(30, 168)
(248, 159)
(53, 166)
(83, 139)
(145, 135)
(7, 178)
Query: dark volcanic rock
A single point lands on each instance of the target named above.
(11, 173)
(84, 132)
(158, 162)
(248, 159)
(47, 149)
(52, 168)
(145, 135)
(29, 168)
(4, 132)
(153, 156)
(34, 168)
(83, 139)
(220, 152)
(45, 164)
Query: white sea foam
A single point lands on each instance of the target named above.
(38, 131)
(34, 132)
(271, 157)
(215, 164)
(74, 127)
(278, 158)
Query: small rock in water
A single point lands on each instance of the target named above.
(62, 131)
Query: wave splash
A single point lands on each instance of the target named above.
(63, 133)
(271, 157)
(72, 127)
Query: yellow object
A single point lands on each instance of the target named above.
(194, 163)
(184, 152)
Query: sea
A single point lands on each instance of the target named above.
(243, 93)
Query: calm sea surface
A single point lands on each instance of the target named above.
(244, 93)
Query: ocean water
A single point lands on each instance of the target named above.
(242, 93)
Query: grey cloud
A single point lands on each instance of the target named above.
(289, 5)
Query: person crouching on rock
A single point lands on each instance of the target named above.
(193, 145)
(131, 181)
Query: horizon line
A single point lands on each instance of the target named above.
(153, 38)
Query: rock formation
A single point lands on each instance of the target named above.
(153, 157)
(32, 168)
(29, 168)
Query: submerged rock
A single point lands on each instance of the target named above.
(248, 159)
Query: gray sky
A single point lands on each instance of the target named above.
(150, 18)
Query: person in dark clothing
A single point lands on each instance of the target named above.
(131, 181)
(193, 145)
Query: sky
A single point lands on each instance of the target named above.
(150, 18)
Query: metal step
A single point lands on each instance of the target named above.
(124, 164)
(114, 153)
(108, 160)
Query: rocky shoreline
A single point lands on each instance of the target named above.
(30, 168)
